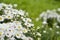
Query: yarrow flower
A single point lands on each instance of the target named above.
(14, 23)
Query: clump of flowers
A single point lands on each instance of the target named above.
(14, 24)
(50, 28)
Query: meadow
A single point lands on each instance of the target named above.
(34, 8)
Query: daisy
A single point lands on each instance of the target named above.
(58, 18)
(9, 16)
(1, 7)
(14, 11)
(21, 12)
(44, 22)
(7, 11)
(1, 38)
(1, 18)
(28, 20)
(38, 34)
(23, 37)
(44, 31)
(18, 35)
(1, 33)
(8, 6)
(12, 38)
(37, 19)
(8, 34)
(19, 27)
(25, 30)
(28, 24)
(57, 27)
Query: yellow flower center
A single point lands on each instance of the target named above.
(0, 33)
(0, 18)
(17, 34)
(8, 16)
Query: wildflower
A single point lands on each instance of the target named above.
(15, 5)
(58, 32)
(21, 12)
(9, 16)
(1, 18)
(37, 19)
(38, 34)
(57, 26)
(44, 22)
(44, 31)
(18, 35)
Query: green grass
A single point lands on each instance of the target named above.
(34, 7)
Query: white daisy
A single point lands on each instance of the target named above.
(9, 16)
(21, 12)
(9, 6)
(7, 11)
(25, 30)
(18, 35)
(1, 18)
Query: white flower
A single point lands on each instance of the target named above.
(38, 34)
(1, 38)
(28, 24)
(25, 30)
(3, 4)
(15, 5)
(26, 13)
(9, 16)
(12, 38)
(38, 38)
(21, 12)
(17, 22)
(23, 37)
(18, 27)
(42, 14)
(37, 19)
(14, 28)
(3, 26)
(14, 11)
(1, 7)
(57, 26)
(18, 35)
(8, 6)
(1, 34)
(7, 11)
(44, 31)
(50, 28)
(1, 18)
(8, 34)
(58, 18)
(44, 22)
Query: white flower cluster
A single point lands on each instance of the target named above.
(19, 23)
(49, 14)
